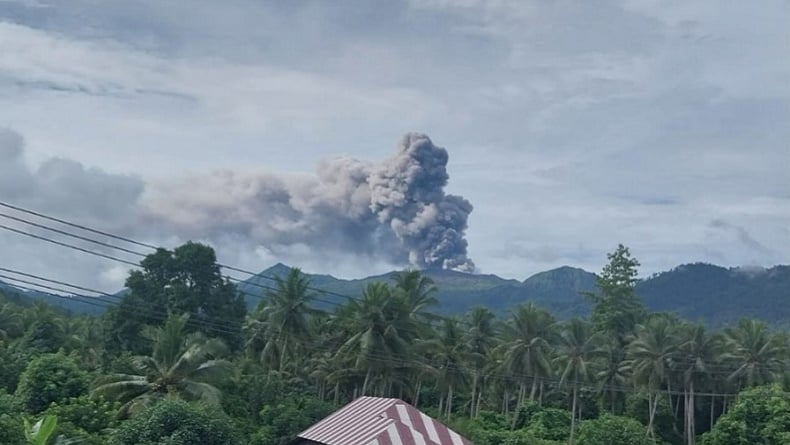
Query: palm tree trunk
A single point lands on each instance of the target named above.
(449, 401)
(677, 405)
(282, 356)
(652, 405)
(522, 390)
(612, 396)
(712, 406)
(573, 414)
(479, 398)
(337, 393)
(534, 390)
(417, 393)
(474, 397)
(365, 383)
(691, 415)
(686, 432)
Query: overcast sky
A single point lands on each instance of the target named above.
(571, 126)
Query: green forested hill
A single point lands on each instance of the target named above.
(180, 334)
(557, 289)
(704, 292)
(76, 304)
(719, 296)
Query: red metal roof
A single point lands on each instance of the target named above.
(380, 421)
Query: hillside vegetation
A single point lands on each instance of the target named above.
(180, 360)
(713, 295)
(710, 294)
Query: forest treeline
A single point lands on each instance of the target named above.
(179, 360)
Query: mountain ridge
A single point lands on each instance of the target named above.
(703, 292)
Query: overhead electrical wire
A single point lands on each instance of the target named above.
(113, 258)
(230, 330)
(121, 260)
(98, 302)
(150, 246)
(147, 245)
(509, 377)
(497, 376)
(247, 283)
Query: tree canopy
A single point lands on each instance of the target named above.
(180, 362)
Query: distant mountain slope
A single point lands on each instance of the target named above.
(557, 289)
(717, 296)
(75, 304)
(704, 292)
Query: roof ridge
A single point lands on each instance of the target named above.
(369, 420)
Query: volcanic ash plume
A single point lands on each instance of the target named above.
(395, 210)
(407, 193)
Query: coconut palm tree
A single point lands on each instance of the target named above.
(652, 354)
(377, 325)
(526, 347)
(286, 315)
(754, 351)
(577, 350)
(450, 354)
(418, 291)
(614, 373)
(83, 335)
(181, 366)
(697, 355)
(481, 337)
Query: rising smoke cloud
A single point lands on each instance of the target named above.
(396, 210)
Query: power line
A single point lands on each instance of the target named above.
(110, 257)
(70, 246)
(134, 242)
(62, 283)
(104, 304)
(120, 260)
(392, 359)
(71, 235)
(220, 325)
(129, 240)
(75, 225)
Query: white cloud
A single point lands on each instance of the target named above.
(571, 126)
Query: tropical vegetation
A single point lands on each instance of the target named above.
(177, 360)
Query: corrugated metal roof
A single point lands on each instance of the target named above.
(380, 421)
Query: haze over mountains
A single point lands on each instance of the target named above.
(711, 294)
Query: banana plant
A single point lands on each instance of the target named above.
(41, 432)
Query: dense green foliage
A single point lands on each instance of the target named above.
(186, 280)
(711, 294)
(181, 363)
(760, 415)
(50, 378)
(173, 422)
(613, 430)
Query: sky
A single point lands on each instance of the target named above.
(256, 126)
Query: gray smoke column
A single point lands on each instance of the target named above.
(407, 193)
(395, 210)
